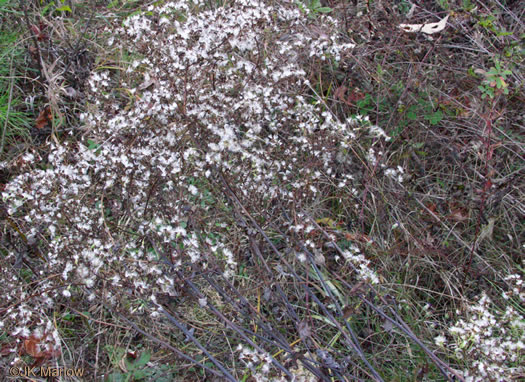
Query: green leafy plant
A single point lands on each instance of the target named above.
(56, 6)
(404, 7)
(434, 117)
(494, 82)
(489, 22)
(443, 4)
(423, 108)
(315, 7)
(467, 5)
(132, 368)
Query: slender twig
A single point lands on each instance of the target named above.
(189, 335)
(23, 4)
(76, 49)
(281, 343)
(439, 363)
(485, 190)
(262, 325)
(168, 346)
(351, 341)
(232, 326)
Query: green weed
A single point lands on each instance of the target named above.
(494, 82)
(133, 367)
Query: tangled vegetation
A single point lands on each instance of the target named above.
(266, 190)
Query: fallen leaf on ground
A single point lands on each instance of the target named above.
(44, 118)
(31, 347)
(429, 28)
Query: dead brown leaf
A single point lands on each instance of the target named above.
(340, 92)
(44, 118)
(31, 347)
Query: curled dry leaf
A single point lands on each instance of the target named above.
(31, 347)
(458, 213)
(349, 311)
(44, 118)
(429, 28)
(487, 230)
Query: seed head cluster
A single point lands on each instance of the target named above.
(210, 95)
